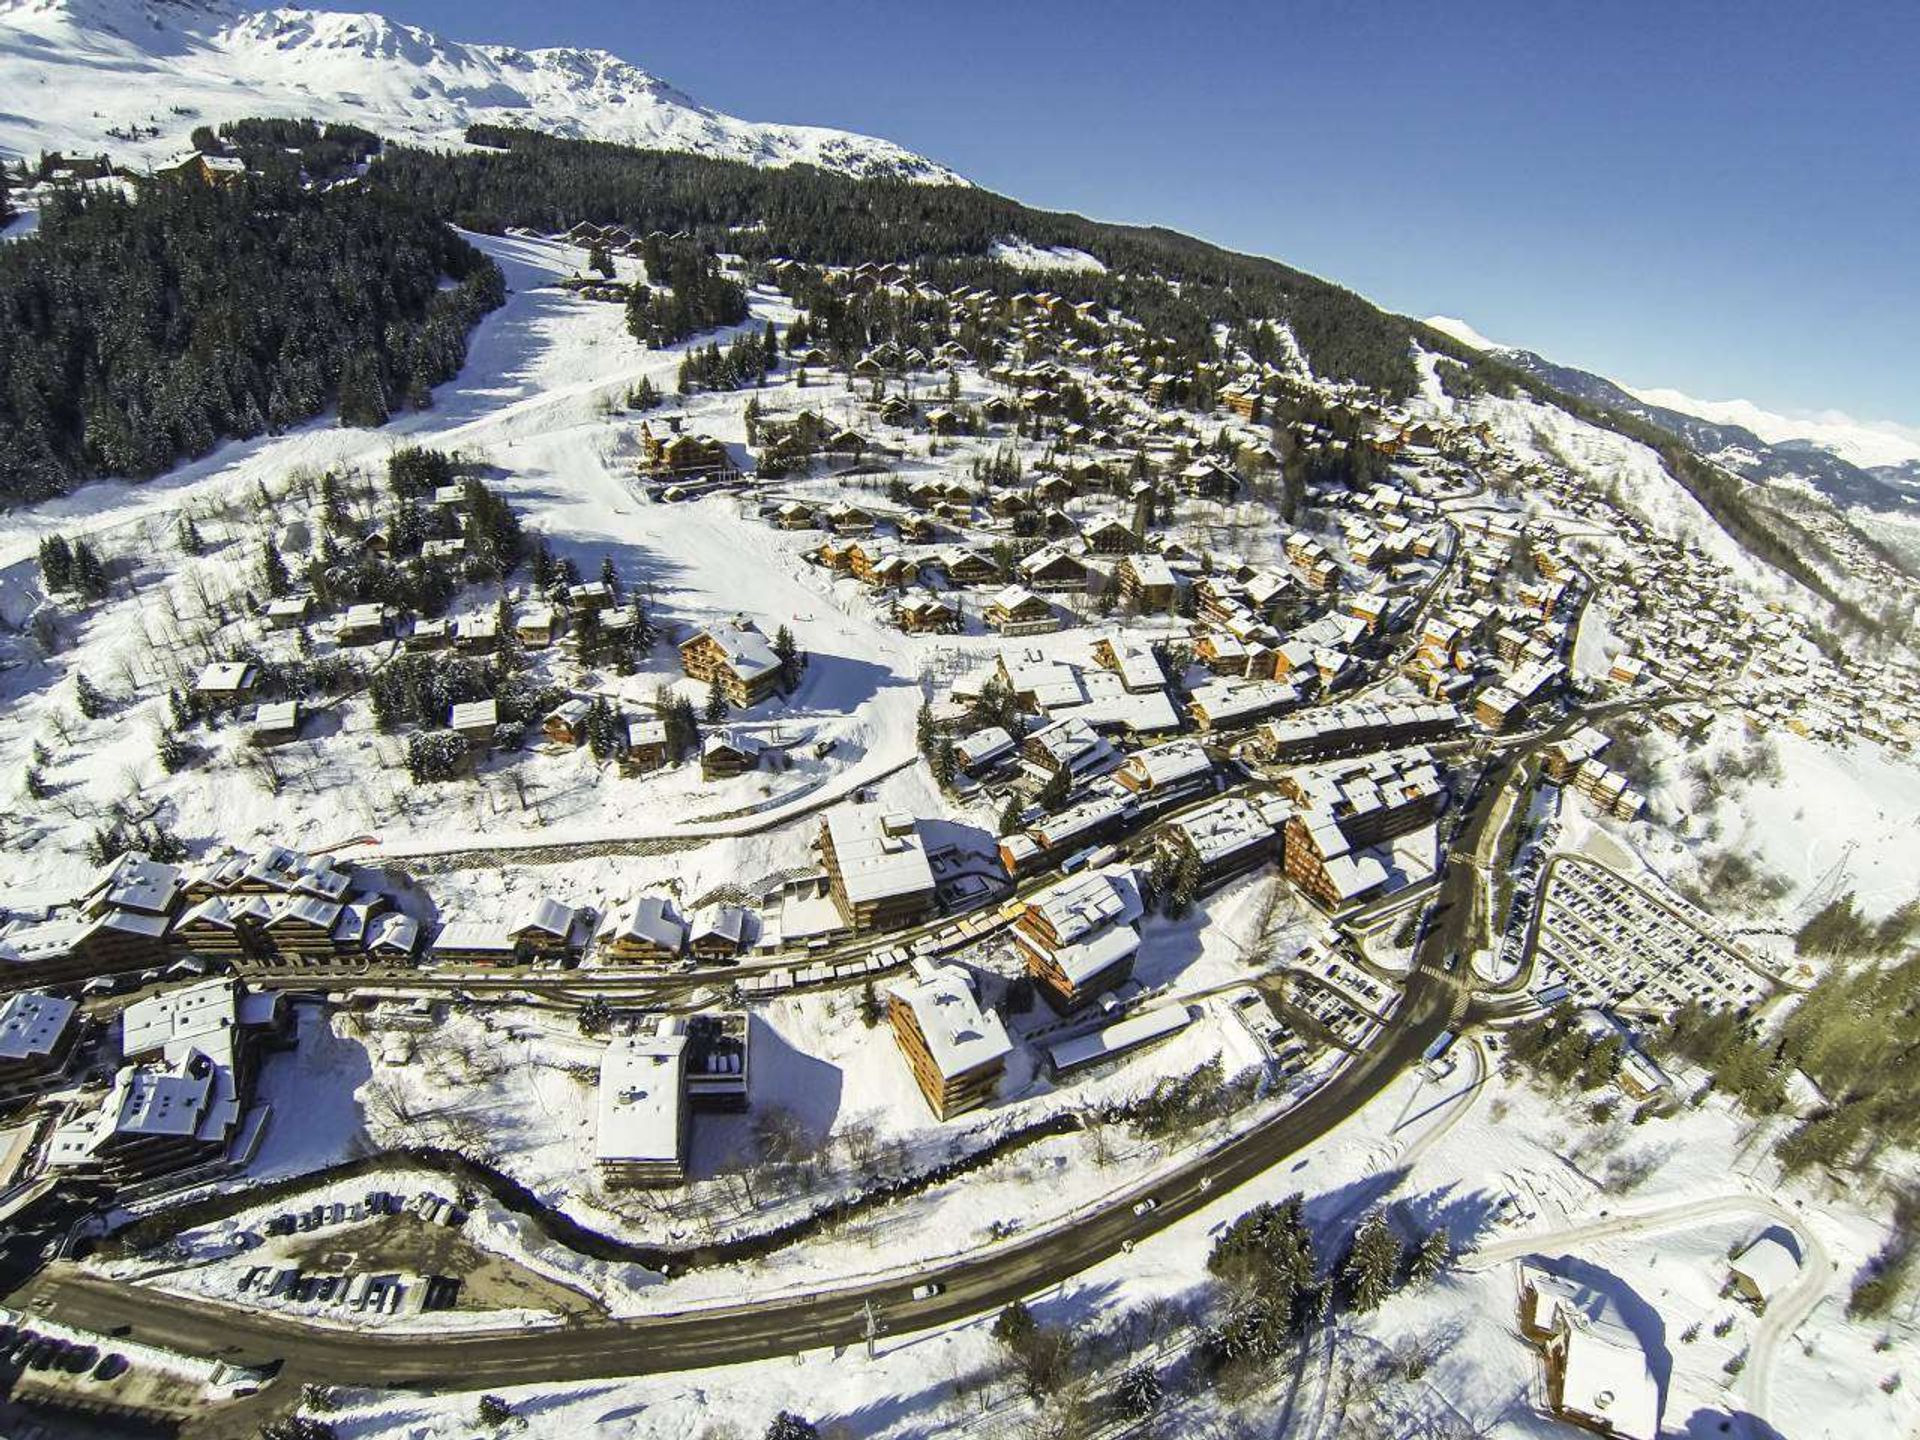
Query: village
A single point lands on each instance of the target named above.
(1043, 727)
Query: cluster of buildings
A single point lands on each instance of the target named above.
(180, 1102)
(275, 908)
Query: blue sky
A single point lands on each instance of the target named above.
(1723, 198)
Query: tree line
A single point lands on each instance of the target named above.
(136, 333)
(1175, 285)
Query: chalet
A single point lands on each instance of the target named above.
(1223, 705)
(302, 925)
(227, 683)
(647, 930)
(1209, 480)
(1052, 569)
(289, 612)
(37, 1035)
(726, 753)
(955, 1047)
(533, 626)
(927, 617)
(1108, 536)
(794, 515)
(276, 724)
(646, 745)
(982, 749)
(427, 635)
(1178, 769)
(1222, 653)
(1223, 838)
(1070, 745)
(1016, 610)
(1079, 937)
(736, 656)
(475, 721)
(566, 723)
(1136, 665)
(719, 933)
(478, 632)
(876, 866)
(362, 625)
(847, 520)
(1146, 581)
(682, 455)
(643, 1114)
(1091, 822)
(546, 929)
(943, 421)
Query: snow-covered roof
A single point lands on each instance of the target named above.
(1604, 1370)
(960, 1034)
(1768, 1264)
(747, 651)
(877, 857)
(31, 1024)
(1083, 904)
(1168, 764)
(651, 920)
(641, 1079)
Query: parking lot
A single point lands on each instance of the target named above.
(1604, 940)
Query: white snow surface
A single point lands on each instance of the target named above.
(1025, 255)
(75, 70)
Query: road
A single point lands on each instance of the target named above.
(1434, 999)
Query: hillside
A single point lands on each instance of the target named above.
(132, 76)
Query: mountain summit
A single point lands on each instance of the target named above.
(91, 75)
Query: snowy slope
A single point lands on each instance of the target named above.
(73, 72)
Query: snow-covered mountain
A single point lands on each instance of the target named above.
(85, 75)
(1872, 445)
(1853, 463)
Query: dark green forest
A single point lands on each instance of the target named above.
(806, 214)
(136, 335)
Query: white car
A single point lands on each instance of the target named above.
(928, 1290)
(1146, 1207)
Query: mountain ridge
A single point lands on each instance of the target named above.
(1736, 447)
(180, 62)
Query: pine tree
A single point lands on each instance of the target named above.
(610, 577)
(944, 764)
(172, 751)
(89, 574)
(273, 571)
(88, 699)
(188, 535)
(599, 260)
(1432, 1257)
(35, 783)
(926, 735)
(1012, 815)
(1053, 794)
(1186, 884)
(180, 708)
(789, 1426)
(1139, 1392)
(716, 709)
(1373, 1263)
(56, 563)
(788, 652)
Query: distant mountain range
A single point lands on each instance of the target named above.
(85, 76)
(1873, 466)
